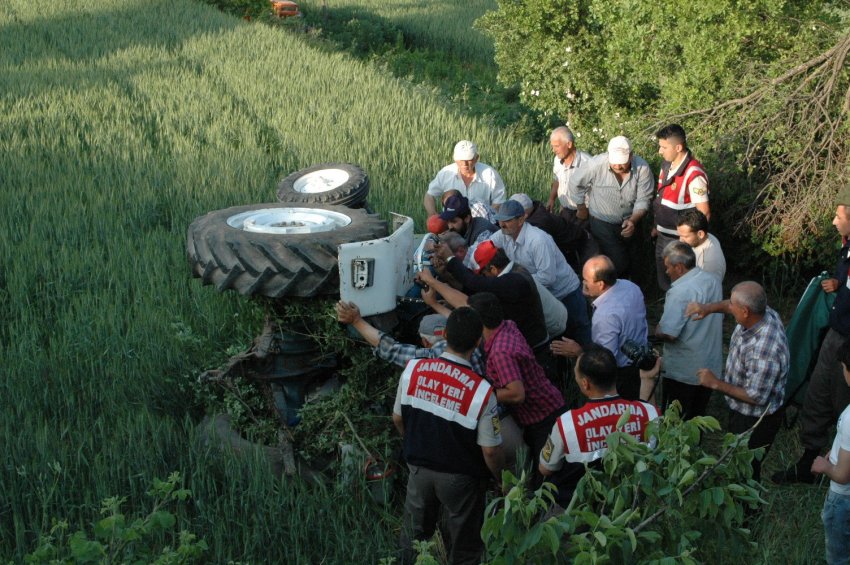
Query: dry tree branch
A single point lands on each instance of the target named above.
(795, 142)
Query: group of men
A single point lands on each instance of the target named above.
(510, 307)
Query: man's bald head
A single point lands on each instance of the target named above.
(750, 295)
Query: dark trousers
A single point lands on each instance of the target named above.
(661, 273)
(693, 398)
(578, 317)
(827, 396)
(762, 436)
(628, 382)
(585, 246)
(462, 498)
(535, 436)
(618, 248)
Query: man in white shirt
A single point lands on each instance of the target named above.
(692, 227)
(476, 181)
(567, 159)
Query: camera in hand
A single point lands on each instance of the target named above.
(642, 356)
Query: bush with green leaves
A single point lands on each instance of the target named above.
(671, 501)
(762, 87)
(119, 538)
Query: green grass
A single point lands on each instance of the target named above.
(119, 123)
(443, 24)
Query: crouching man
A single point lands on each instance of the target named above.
(579, 436)
(446, 414)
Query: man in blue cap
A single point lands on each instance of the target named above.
(536, 251)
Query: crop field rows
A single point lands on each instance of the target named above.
(120, 123)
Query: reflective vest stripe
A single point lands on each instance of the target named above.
(445, 389)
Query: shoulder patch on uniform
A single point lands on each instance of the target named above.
(547, 449)
(700, 190)
(497, 425)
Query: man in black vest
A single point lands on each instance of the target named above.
(447, 415)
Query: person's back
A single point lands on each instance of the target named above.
(446, 415)
(579, 435)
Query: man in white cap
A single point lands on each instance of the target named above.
(615, 190)
(477, 181)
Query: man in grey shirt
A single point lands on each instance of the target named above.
(690, 345)
(615, 189)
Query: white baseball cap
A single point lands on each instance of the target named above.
(619, 150)
(465, 150)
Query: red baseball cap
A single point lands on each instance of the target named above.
(484, 253)
(437, 225)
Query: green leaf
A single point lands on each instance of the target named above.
(84, 550)
(600, 537)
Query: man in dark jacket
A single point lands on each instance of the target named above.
(828, 394)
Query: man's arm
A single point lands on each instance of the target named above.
(649, 382)
(645, 191)
(399, 423)
(349, 313)
(494, 457)
(580, 184)
(553, 195)
(659, 333)
(513, 393)
(566, 347)
(709, 380)
(697, 311)
(840, 472)
(705, 209)
(453, 296)
(430, 204)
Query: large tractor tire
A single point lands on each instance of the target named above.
(276, 250)
(328, 183)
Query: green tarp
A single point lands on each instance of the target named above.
(805, 332)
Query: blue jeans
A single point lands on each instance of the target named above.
(836, 525)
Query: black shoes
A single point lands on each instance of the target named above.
(799, 473)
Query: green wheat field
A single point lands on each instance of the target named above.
(120, 122)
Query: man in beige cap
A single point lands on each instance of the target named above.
(614, 189)
(477, 181)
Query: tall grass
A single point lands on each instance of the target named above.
(119, 123)
(443, 24)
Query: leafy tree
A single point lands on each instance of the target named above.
(759, 86)
(647, 504)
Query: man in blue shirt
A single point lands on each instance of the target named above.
(619, 315)
(690, 345)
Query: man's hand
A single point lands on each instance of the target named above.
(565, 347)
(628, 228)
(442, 251)
(347, 312)
(653, 373)
(821, 464)
(581, 212)
(707, 379)
(653, 233)
(429, 296)
(695, 311)
(550, 205)
(829, 285)
(425, 277)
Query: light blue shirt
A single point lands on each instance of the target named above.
(699, 343)
(619, 315)
(535, 250)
